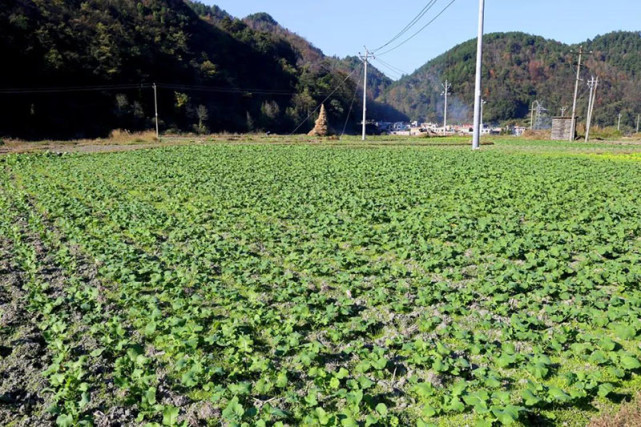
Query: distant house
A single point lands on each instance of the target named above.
(464, 129)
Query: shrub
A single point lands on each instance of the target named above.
(123, 136)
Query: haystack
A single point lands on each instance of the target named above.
(321, 127)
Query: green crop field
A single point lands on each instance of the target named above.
(351, 285)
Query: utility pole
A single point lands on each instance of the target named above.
(483, 102)
(576, 93)
(532, 117)
(619, 125)
(365, 59)
(156, 109)
(536, 105)
(446, 90)
(593, 84)
(539, 110)
(476, 141)
(638, 120)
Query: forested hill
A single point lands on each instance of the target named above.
(312, 58)
(214, 72)
(82, 68)
(520, 68)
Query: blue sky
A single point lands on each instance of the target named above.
(342, 27)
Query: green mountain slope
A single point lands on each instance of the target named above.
(219, 73)
(313, 59)
(311, 56)
(520, 68)
(213, 71)
(314, 64)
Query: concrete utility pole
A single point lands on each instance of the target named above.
(483, 102)
(365, 59)
(638, 120)
(446, 91)
(476, 141)
(156, 109)
(593, 84)
(576, 93)
(619, 125)
(536, 105)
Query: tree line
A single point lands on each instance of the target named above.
(520, 68)
(214, 72)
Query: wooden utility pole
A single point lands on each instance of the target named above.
(476, 141)
(576, 93)
(156, 110)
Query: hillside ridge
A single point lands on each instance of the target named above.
(520, 68)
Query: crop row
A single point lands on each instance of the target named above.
(334, 286)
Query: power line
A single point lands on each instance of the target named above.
(65, 89)
(419, 31)
(175, 86)
(231, 90)
(395, 74)
(325, 100)
(351, 106)
(413, 22)
(391, 67)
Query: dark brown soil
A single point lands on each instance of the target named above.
(628, 416)
(23, 351)
(24, 356)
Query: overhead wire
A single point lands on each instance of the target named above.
(249, 91)
(349, 113)
(409, 26)
(64, 89)
(174, 86)
(325, 100)
(226, 90)
(391, 73)
(420, 30)
(391, 68)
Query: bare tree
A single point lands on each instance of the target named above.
(203, 115)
